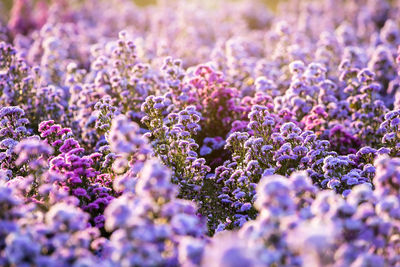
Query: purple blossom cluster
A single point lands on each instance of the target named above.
(200, 133)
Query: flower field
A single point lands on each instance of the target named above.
(200, 133)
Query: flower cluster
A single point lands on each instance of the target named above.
(200, 133)
(149, 225)
(299, 225)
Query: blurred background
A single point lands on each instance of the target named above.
(270, 3)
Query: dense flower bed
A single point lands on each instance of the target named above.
(200, 133)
